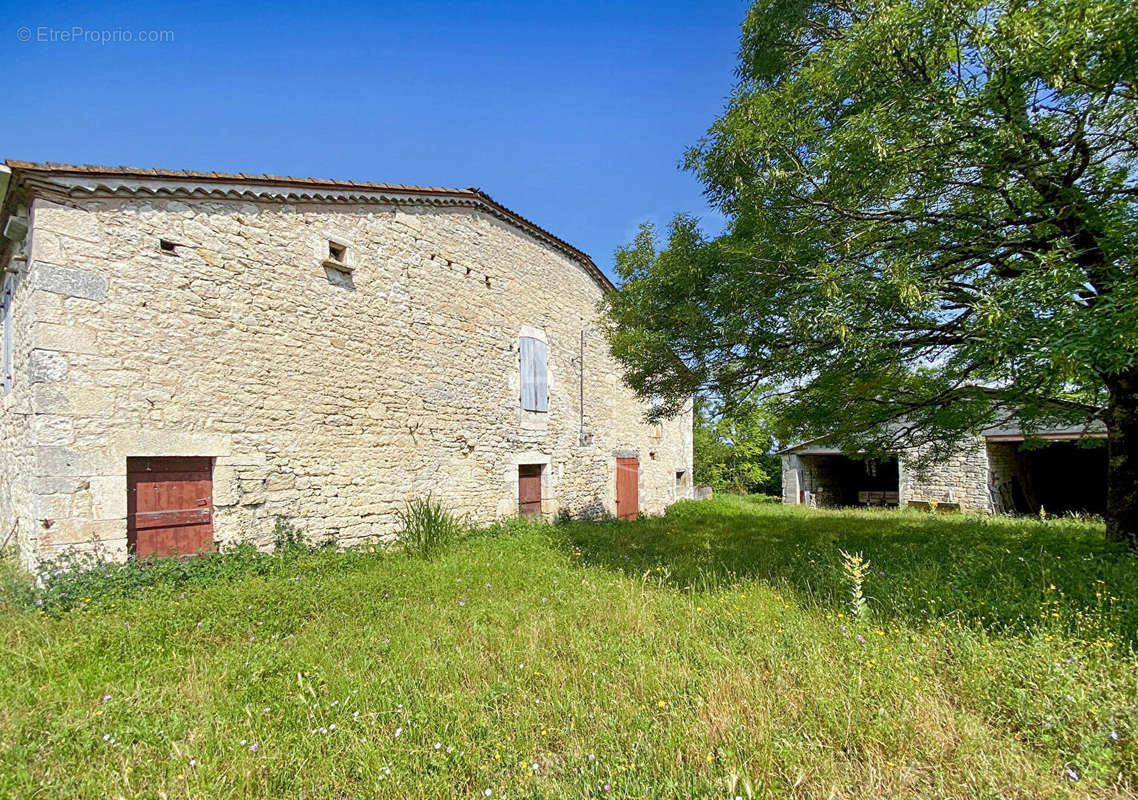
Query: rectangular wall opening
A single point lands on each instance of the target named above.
(1061, 478)
(838, 480)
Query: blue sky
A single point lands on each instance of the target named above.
(573, 114)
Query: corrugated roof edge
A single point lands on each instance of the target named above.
(471, 193)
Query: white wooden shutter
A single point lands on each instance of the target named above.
(534, 371)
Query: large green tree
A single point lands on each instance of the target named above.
(734, 452)
(932, 226)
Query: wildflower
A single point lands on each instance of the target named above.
(662, 704)
(193, 762)
(243, 742)
(106, 737)
(1070, 774)
(106, 698)
(461, 603)
(253, 748)
(437, 745)
(487, 793)
(199, 623)
(397, 732)
(332, 727)
(861, 638)
(608, 788)
(1115, 735)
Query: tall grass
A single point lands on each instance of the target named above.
(427, 527)
(708, 653)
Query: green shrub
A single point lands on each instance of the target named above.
(287, 536)
(427, 527)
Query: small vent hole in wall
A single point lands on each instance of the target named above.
(168, 247)
(338, 252)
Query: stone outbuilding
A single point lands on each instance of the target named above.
(999, 471)
(189, 357)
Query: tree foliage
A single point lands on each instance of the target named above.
(734, 453)
(933, 222)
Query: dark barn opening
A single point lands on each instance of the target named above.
(839, 480)
(1060, 477)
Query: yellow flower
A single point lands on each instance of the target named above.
(662, 704)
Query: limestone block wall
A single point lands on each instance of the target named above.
(323, 397)
(961, 479)
(17, 428)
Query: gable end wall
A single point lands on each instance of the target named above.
(324, 398)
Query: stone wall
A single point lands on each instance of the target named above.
(323, 397)
(1003, 467)
(962, 479)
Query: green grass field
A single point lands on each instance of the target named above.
(709, 653)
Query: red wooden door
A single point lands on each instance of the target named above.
(627, 488)
(169, 506)
(529, 488)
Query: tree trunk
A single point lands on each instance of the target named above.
(1122, 473)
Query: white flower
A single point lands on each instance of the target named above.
(332, 727)
(243, 743)
(487, 793)
(437, 745)
(397, 732)
(106, 737)
(193, 762)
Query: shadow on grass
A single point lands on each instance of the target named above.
(999, 572)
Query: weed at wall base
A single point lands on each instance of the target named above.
(427, 528)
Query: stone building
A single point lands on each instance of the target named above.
(189, 357)
(1000, 471)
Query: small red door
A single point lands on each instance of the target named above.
(529, 488)
(169, 506)
(627, 488)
